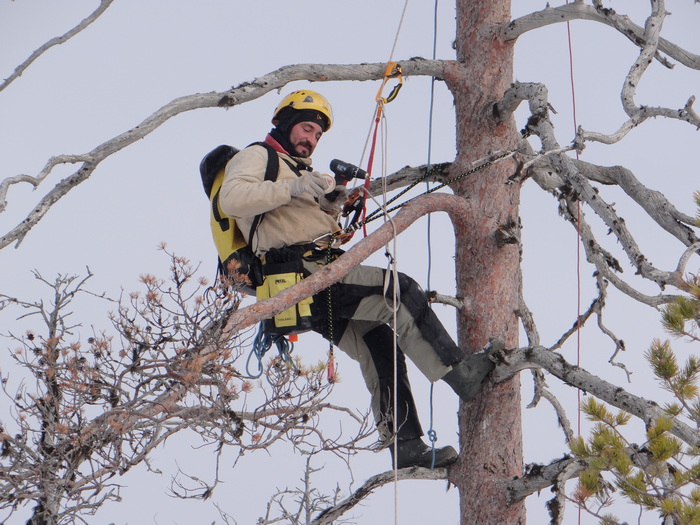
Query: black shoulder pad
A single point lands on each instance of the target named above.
(273, 161)
(212, 163)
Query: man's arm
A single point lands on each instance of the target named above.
(245, 193)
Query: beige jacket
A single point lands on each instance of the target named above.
(288, 220)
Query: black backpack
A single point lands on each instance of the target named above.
(230, 243)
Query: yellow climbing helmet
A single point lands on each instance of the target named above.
(305, 99)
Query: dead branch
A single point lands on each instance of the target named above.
(104, 4)
(648, 411)
(539, 477)
(328, 516)
(576, 187)
(235, 96)
(581, 11)
(97, 412)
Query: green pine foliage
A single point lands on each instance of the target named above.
(662, 474)
(659, 475)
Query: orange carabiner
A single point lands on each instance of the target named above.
(393, 70)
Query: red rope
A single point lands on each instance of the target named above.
(578, 218)
(578, 236)
(370, 162)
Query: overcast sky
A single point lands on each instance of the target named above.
(141, 55)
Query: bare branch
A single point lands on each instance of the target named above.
(104, 4)
(576, 187)
(652, 30)
(555, 364)
(539, 477)
(654, 203)
(581, 11)
(96, 412)
(328, 516)
(233, 97)
(647, 39)
(562, 419)
(435, 297)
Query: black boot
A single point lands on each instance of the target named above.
(415, 453)
(466, 377)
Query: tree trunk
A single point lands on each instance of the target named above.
(486, 269)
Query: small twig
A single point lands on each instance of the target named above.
(104, 4)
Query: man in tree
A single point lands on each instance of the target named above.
(298, 222)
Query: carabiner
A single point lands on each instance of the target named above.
(354, 204)
(393, 70)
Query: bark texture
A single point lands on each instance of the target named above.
(486, 267)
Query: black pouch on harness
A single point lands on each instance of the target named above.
(284, 268)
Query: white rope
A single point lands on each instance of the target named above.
(392, 265)
(391, 57)
(398, 30)
(392, 270)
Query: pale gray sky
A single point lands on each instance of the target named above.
(141, 55)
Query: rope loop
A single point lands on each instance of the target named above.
(262, 343)
(432, 435)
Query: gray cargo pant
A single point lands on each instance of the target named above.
(361, 317)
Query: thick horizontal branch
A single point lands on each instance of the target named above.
(410, 175)
(581, 11)
(555, 364)
(232, 97)
(539, 477)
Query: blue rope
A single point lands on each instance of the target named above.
(430, 145)
(262, 343)
(432, 434)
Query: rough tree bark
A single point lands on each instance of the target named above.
(486, 268)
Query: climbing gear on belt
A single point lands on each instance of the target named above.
(282, 269)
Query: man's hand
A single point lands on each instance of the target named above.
(335, 206)
(312, 183)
